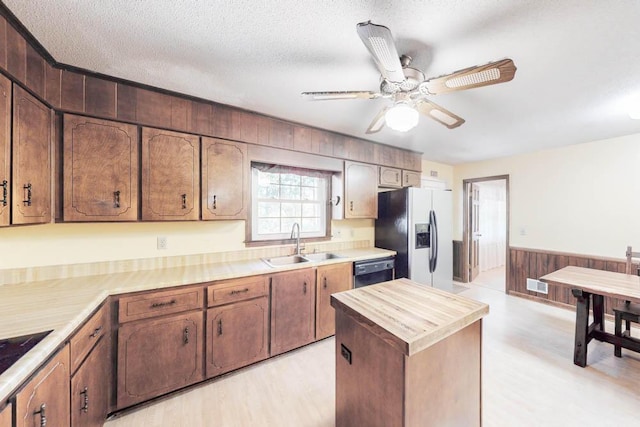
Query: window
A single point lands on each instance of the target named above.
(282, 196)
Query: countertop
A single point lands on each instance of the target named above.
(408, 315)
(62, 305)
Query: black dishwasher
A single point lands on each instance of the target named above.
(373, 271)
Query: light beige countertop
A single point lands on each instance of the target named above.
(61, 305)
(408, 315)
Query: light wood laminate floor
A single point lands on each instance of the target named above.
(529, 379)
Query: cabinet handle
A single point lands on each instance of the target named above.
(304, 288)
(351, 205)
(43, 416)
(96, 332)
(85, 400)
(397, 177)
(219, 327)
(214, 201)
(185, 336)
(325, 283)
(4, 193)
(163, 304)
(235, 292)
(184, 201)
(116, 199)
(27, 187)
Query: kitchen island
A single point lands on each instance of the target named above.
(407, 355)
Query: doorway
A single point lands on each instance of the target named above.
(486, 231)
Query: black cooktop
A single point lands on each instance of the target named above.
(12, 349)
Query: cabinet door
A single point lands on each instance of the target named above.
(237, 335)
(331, 279)
(31, 195)
(157, 356)
(45, 398)
(390, 177)
(361, 190)
(292, 310)
(5, 150)
(100, 170)
(225, 174)
(5, 416)
(90, 388)
(170, 175)
(410, 179)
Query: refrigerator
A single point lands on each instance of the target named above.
(417, 224)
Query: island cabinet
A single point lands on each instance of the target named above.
(160, 343)
(100, 170)
(360, 190)
(44, 400)
(329, 280)
(31, 177)
(237, 324)
(170, 176)
(5, 415)
(225, 179)
(5, 151)
(407, 355)
(292, 309)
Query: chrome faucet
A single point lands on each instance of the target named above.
(297, 236)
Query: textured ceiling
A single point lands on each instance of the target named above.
(578, 61)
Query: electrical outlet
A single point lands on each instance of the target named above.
(162, 242)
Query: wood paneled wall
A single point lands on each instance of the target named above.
(533, 264)
(458, 261)
(73, 90)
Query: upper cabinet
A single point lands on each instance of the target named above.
(5, 150)
(411, 179)
(360, 190)
(170, 175)
(225, 175)
(390, 177)
(31, 182)
(100, 170)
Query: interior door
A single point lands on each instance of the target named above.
(474, 231)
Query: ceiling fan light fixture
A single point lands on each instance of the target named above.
(402, 117)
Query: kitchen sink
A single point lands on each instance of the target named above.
(284, 260)
(321, 256)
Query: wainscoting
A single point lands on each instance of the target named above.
(458, 261)
(534, 263)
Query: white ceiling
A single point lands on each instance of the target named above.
(578, 61)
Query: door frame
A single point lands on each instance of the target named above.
(466, 229)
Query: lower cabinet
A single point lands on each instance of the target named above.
(237, 335)
(158, 355)
(331, 279)
(90, 388)
(45, 398)
(5, 416)
(292, 309)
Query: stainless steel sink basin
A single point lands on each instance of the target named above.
(284, 260)
(323, 256)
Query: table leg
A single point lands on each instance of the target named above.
(598, 311)
(582, 327)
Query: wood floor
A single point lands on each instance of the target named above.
(529, 379)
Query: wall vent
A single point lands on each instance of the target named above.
(537, 286)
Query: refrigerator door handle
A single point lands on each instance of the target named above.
(433, 258)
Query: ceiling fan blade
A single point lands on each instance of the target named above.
(379, 42)
(378, 122)
(320, 96)
(482, 75)
(439, 114)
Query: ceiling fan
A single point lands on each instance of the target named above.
(408, 88)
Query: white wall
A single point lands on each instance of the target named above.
(444, 172)
(580, 199)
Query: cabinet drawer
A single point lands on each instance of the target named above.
(86, 338)
(237, 290)
(159, 303)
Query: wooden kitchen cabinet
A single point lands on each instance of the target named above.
(360, 190)
(90, 388)
(45, 398)
(159, 355)
(5, 151)
(5, 416)
(411, 179)
(390, 177)
(225, 175)
(330, 279)
(100, 170)
(170, 175)
(31, 178)
(292, 310)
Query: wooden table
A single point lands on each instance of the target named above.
(407, 355)
(590, 286)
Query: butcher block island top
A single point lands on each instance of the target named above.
(407, 315)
